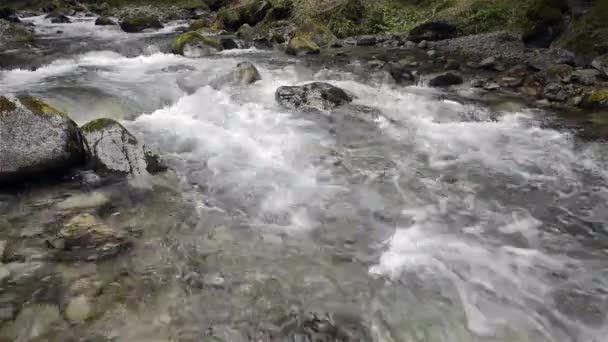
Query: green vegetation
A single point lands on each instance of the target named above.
(98, 124)
(588, 37)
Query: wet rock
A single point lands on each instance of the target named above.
(491, 85)
(409, 45)
(400, 73)
(596, 100)
(195, 44)
(9, 15)
(558, 73)
(317, 95)
(511, 82)
(228, 43)
(84, 201)
(58, 18)
(78, 309)
(33, 323)
(555, 92)
(301, 45)
(423, 44)
(431, 53)
(432, 31)
(451, 65)
(586, 77)
(446, 79)
(601, 64)
(37, 140)
(89, 179)
(114, 149)
(244, 74)
(104, 21)
(367, 40)
(542, 58)
(87, 239)
(477, 83)
(138, 23)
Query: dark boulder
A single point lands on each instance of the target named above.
(446, 79)
(601, 63)
(316, 96)
(432, 31)
(104, 21)
(244, 74)
(114, 149)
(138, 23)
(9, 15)
(37, 140)
(543, 58)
(367, 40)
(400, 73)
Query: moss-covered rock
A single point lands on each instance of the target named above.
(250, 12)
(596, 100)
(196, 40)
(104, 21)
(138, 23)
(302, 44)
(198, 24)
(114, 149)
(37, 140)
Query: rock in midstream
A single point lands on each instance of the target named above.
(316, 96)
(113, 148)
(37, 140)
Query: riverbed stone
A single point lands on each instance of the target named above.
(138, 23)
(37, 140)
(601, 64)
(244, 74)
(114, 149)
(367, 40)
(586, 77)
(78, 309)
(84, 201)
(87, 239)
(446, 79)
(542, 58)
(317, 96)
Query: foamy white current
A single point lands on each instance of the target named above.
(469, 225)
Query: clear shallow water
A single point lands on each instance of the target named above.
(436, 221)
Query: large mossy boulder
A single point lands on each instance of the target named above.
(104, 21)
(196, 44)
(114, 149)
(138, 23)
(432, 31)
(312, 96)
(596, 100)
(36, 140)
(301, 44)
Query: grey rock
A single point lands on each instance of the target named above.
(446, 79)
(367, 40)
(58, 18)
(138, 23)
(491, 85)
(451, 65)
(542, 58)
(104, 21)
(33, 322)
(400, 73)
(423, 44)
(316, 96)
(409, 45)
(505, 46)
(431, 53)
(511, 82)
(113, 148)
(586, 77)
(244, 74)
(555, 92)
(488, 63)
(601, 64)
(477, 83)
(37, 140)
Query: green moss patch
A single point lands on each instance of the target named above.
(39, 107)
(98, 124)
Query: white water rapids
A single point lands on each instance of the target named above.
(438, 221)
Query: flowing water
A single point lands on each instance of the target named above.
(434, 221)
